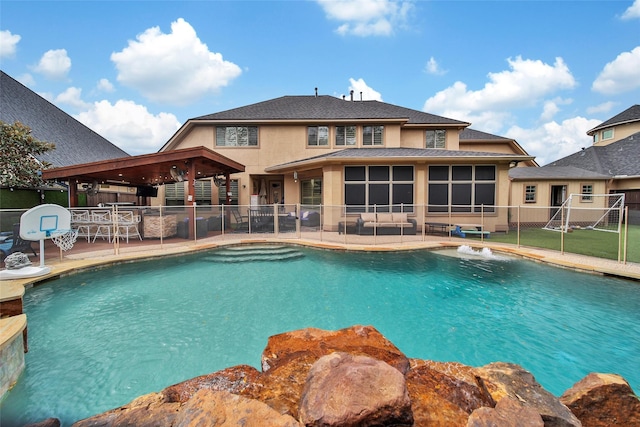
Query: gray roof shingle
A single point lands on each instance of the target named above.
(469, 134)
(327, 108)
(75, 143)
(621, 158)
(631, 114)
(405, 153)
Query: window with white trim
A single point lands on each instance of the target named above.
(318, 135)
(373, 135)
(345, 135)
(463, 188)
(383, 188)
(236, 136)
(607, 134)
(530, 193)
(436, 138)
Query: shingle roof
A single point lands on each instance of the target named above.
(631, 114)
(75, 143)
(614, 160)
(555, 172)
(405, 153)
(327, 108)
(469, 134)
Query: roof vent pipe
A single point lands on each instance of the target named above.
(316, 92)
(351, 94)
(343, 97)
(360, 96)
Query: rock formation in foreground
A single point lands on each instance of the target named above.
(356, 377)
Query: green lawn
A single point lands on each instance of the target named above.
(585, 242)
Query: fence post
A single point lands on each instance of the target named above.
(161, 228)
(482, 223)
(561, 230)
(518, 227)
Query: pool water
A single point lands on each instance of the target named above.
(99, 339)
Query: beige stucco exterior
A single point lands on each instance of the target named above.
(282, 154)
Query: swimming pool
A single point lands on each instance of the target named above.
(99, 339)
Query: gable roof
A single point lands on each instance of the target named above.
(326, 107)
(630, 115)
(75, 143)
(616, 160)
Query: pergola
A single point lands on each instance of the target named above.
(188, 164)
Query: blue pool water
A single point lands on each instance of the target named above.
(99, 339)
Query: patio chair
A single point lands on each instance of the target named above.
(16, 244)
(241, 221)
(80, 220)
(103, 223)
(127, 224)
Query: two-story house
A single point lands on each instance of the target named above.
(363, 155)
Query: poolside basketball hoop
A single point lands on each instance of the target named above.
(39, 223)
(64, 239)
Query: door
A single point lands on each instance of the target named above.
(558, 196)
(275, 192)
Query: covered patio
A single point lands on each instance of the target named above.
(148, 171)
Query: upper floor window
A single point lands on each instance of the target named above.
(436, 138)
(345, 135)
(236, 136)
(607, 134)
(595, 137)
(373, 135)
(317, 135)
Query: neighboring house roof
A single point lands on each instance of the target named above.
(616, 160)
(75, 143)
(630, 115)
(398, 153)
(328, 108)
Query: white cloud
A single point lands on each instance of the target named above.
(104, 85)
(633, 11)
(130, 126)
(54, 64)
(26, 79)
(525, 84)
(551, 107)
(175, 68)
(368, 94)
(620, 75)
(8, 44)
(605, 107)
(552, 140)
(367, 17)
(433, 67)
(72, 97)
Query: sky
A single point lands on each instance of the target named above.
(540, 72)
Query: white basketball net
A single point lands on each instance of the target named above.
(65, 240)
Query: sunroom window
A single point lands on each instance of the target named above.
(380, 188)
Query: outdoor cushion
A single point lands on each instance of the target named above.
(399, 217)
(368, 217)
(385, 217)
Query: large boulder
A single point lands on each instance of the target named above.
(223, 409)
(239, 380)
(507, 413)
(357, 340)
(510, 380)
(600, 400)
(348, 391)
(444, 394)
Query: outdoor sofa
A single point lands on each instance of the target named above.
(384, 223)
